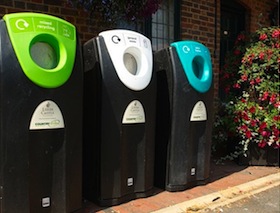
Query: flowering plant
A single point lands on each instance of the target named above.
(250, 81)
(224, 134)
(229, 73)
(115, 10)
(256, 110)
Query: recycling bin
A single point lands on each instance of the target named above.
(41, 82)
(119, 117)
(184, 115)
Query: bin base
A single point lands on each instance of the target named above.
(174, 188)
(126, 198)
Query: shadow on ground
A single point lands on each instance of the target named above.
(217, 171)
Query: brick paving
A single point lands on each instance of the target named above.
(222, 176)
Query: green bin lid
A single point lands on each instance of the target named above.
(44, 45)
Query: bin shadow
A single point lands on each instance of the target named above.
(223, 169)
(217, 171)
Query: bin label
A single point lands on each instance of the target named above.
(192, 171)
(46, 202)
(47, 116)
(134, 113)
(130, 181)
(199, 112)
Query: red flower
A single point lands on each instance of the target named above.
(264, 133)
(236, 86)
(261, 55)
(269, 52)
(241, 37)
(252, 109)
(277, 104)
(237, 52)
(226, 76)
(276, 33)
(258, 80)
(275, 131)
(262, 126)
(275, 145)
(263, 37)
(244, 77)
(227, 89)
(272, 98)
(250, 58)
(252, 82)
(276, 118)
(244, 127)
(248, 134)
(264, 96)
(253, 123)
(245, 116)
(262, 144)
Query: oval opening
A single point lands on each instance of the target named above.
(44, 55)
(198, 67)
(130, 63)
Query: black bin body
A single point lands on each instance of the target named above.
(183, 141)
(118, 157)
(40, 167)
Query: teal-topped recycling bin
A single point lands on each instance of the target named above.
(41, 81)
(184, 115)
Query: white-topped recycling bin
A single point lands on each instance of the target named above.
(119, 117)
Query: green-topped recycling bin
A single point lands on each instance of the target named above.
(41, 81)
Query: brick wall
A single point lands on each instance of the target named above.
(258, 13)
(86, 27)
(200, 20)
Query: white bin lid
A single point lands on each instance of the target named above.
(131, 54)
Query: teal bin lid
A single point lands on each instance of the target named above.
(196, 61)
(44, 45)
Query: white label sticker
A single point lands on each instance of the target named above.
(199, 112)
(46, 202)
(192, 171)
(134, 113)
(129, 181)
(47, 116)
